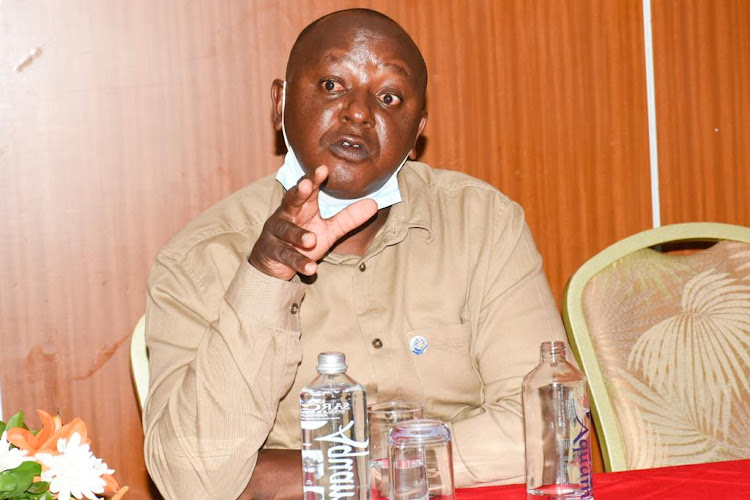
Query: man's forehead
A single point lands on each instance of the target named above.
(364, 23)
(336, 31)
(358, 33)
(338, 57)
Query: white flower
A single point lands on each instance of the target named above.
(10, 458)
(75, 471)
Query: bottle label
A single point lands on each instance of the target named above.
(317, 408)
(333, 460)
(341, 458)
(582, 445)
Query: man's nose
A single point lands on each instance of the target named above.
(357, 108)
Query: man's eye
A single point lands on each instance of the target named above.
(332, 86)
(389, 99)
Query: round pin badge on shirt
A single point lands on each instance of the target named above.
(418, 344)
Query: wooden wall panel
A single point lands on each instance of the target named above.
(132, 117)
(551, 110)
(702, 76)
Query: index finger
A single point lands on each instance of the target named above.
(307, 188)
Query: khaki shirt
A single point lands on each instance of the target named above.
(230, 348)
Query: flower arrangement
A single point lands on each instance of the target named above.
(54, 462)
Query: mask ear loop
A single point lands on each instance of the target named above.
(283, 118)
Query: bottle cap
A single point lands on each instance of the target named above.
(331, 362)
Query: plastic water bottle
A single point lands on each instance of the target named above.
(335, 437)
(558, 427)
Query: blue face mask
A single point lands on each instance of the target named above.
(291, 172)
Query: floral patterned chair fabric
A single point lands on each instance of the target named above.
(665, 342)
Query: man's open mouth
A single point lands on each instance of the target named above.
(349, 150)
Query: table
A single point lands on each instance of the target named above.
(714, 481)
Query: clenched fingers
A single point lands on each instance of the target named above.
(279, 258)
(290, 233)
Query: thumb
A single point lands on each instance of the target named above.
(352, 217)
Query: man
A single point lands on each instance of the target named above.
(368, 254)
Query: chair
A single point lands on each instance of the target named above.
(664, 339)
(139, 361)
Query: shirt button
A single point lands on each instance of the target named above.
(362, 267)
(294, 308)
(377, 343)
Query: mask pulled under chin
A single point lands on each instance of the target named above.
(291, 172)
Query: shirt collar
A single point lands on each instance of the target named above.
(414, 212)
(415, 209)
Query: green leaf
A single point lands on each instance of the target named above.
(45, 495)
(38, 488)
(2, 427)
(29, 468)
(12, 484)
(16, 420)
(9, 484)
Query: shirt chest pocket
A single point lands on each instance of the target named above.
(446, 368)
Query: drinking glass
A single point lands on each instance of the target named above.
(382, 416)
(421, 461)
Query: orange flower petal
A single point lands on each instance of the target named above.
(110, 483)
(58, 421)
(120, 493)
(64, 432)
(24, 439)
(79, 426)
(48, 426)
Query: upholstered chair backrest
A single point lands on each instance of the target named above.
(668, 337)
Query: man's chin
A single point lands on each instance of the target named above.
(345, 194)
(346, 189)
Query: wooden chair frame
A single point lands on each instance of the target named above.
(139, 361)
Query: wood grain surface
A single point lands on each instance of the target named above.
(702, 75)
(120, 121)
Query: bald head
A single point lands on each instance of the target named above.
(350, 26)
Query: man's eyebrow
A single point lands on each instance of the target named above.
(330, 58)
(394, 66)
(399, 68)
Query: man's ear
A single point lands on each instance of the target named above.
(422, 123)
(277, 98)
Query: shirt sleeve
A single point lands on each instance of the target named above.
(220, 360)
(517, 314)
